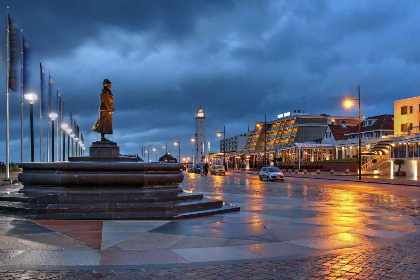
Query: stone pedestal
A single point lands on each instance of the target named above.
(105, 185)
(104, 149)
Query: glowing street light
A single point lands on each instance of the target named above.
(219, 134)
(31, 98)
(155, 151)
(348, 103)
(179, 148)
(64, 126)
(53, 117)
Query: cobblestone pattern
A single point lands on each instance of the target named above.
(400, 261)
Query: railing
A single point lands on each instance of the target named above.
(374, 163)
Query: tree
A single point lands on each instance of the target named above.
(399, 162)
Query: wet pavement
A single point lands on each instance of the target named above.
(338, 229)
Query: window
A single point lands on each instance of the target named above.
(404, 110)
(411, 109)
(403, 127)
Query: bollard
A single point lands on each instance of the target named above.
(318, 171)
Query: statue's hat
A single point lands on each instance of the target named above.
(106, 81)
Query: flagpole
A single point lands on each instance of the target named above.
(58, 124)
(21, 97)
(48, 119)
(7, 98)
(40, 115)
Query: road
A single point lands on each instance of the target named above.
(301, 228)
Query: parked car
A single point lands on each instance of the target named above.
(271, 174)
(217, 169)
(191, 168)
(197, 169)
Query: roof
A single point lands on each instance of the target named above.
(383, 122)
(339, 131)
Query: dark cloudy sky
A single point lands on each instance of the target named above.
(236, 59)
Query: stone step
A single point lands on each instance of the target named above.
(107, 198)
(169, 206)
(132, 207)
(135, 215)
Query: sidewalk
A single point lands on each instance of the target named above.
(343, 177)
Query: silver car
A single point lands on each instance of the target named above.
(271, 174)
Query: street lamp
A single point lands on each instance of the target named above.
(179, 148)
(348, 103)
(69, 131)
(219, 134)
(64, 126)
(155, 151)
(52, 116)
(194, 140)
(76, 140)
(31, 98)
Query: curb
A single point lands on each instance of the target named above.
(341, 179)
(11, 182)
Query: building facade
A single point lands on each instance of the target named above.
(200, 136)
(292, 137)
(407, 116)
(233, 144)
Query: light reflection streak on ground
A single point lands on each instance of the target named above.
(363, 195)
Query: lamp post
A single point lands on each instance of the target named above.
(219, 134)
(349, 103)
(147, 152)
(72, 135)
(31, 98)
(179, 148)
(76, 144)
(69, 131)
(64, 126)
(155, 151)
(52, 116)
(194, 140)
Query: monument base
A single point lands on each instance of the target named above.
(106, 186)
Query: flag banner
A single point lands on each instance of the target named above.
(13, 54)
(77, 130)
(83, 138)
(50, 81)
(41, 98)
(25, 55)
(74, 127)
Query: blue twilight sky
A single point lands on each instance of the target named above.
(236, 59)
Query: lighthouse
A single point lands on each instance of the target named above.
(200, 134)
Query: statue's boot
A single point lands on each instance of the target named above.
(103, 137)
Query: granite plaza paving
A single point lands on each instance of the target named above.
(300, 229)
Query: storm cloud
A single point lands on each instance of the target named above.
(236, 59)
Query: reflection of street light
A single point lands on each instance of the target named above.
(219, 134)
(52, 116)
(179, 148)
(348, 103)
(31, 98)
(64, 126)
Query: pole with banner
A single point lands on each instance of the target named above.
(11, 47)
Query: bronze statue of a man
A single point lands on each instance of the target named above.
(103, 124)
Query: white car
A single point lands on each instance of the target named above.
(271, 174)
